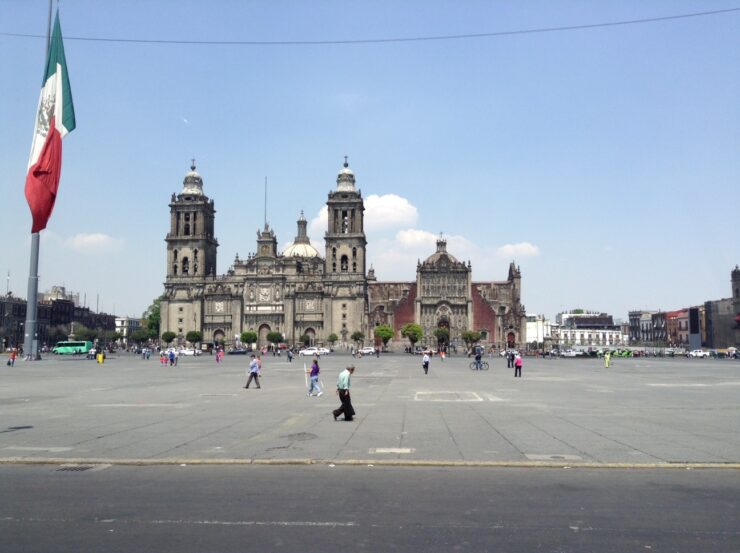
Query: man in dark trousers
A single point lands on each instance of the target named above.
(343, 383)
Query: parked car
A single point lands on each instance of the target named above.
(572, 353)
(699, 353)
(238, 351)
(367, 350)
(189, 351)
(309, 351)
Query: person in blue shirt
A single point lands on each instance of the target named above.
(343, 384)
(254, 371)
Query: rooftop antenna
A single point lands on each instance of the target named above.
(265, 202)
(7, 286)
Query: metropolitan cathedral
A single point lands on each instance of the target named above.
(300, 292)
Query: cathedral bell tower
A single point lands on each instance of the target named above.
(191, 245)
(191, 258)
(345, 258)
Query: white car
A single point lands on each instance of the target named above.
(309, 351)
(698, 353)
(189, 351)
(324, 351)
(368, 350)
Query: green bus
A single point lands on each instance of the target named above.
(66, 348)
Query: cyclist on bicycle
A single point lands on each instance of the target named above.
(478, 356)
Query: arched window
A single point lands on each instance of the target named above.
(174, 253)
(354, 267)
(186, 232)
(333, 253)
(185, 265)
(174, 269)
(354, 253)
(334, 267)
(345, 264)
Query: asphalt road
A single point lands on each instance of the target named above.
(323, 508)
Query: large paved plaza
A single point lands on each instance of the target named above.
(639, 412)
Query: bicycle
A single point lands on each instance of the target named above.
(483, 366)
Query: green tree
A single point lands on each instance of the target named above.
(332, 339)
(194, 337)
(168, 336)
(385, 333)
(358, 337)
(248, 337)
(413, 332)
(274, 338)
(152, 318)
(470, 337)
(305, 339)
(443, 336)
(140, 335)
(85, 334)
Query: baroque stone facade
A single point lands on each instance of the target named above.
(298, 292)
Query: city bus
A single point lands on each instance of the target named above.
(67, 347)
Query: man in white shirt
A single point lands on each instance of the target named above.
(343, 383)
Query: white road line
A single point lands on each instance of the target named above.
(52, 449)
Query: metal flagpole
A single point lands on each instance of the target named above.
(30, 338)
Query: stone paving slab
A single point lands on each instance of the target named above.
(640, 412)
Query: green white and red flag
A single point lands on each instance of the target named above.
(54, 119)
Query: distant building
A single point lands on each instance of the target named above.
(53, 320)
(126, 326)
(541, 331)
(310, 297)
(590, 329)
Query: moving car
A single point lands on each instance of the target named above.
(699, 353)
(367, 350)
(189, 351)
(324, 351)
(309, 351)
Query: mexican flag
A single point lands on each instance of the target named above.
(54, 119)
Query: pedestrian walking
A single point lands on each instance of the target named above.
(12, 357)
(607, 359)
(425, 363)
(510, 359)
(518, 365)
(290, 356)
(314, 385)
(253, 373)
(343, 384)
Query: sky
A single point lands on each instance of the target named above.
(604, 161)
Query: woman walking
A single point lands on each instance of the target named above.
(518, 365)
(315, 379)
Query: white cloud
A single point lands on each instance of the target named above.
(94, 243)
(522, 249)
(389, 211)
(318, 225)
(414, 239)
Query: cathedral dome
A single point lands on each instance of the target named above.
(193, 182)
(300, 250)
(440, 254)
(301, 247)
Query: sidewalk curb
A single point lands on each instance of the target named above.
(359, 462)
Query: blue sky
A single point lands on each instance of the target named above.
(604, 161)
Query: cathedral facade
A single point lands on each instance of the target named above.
(300, 292)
